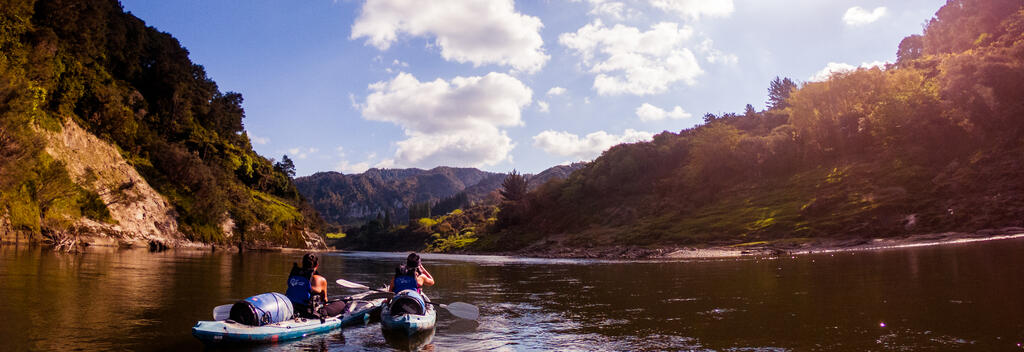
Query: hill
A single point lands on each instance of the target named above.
(354, 199)
(108, 132)
(932, 143)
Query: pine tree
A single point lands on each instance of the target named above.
(779, 91)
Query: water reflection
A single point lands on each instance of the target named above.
(964, 297)
(416, 342)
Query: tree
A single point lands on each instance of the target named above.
(749, 111)
(514, 187)
(778, 92)
(910, 49)
(285, 166)
(513, 207)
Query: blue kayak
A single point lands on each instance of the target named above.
(230, 332)
(407, 314)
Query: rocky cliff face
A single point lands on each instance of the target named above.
(141, 215)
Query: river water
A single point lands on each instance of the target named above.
(955, 297)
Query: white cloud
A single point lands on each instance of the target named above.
(349, 168)
(695, 9)
(586, 148)
(838, 67)
(258, 140)
(556, 91)
(628, 61)
(648, 112)
(716, 56)
(858, 16)
(612, 9)
(455, 123)
(302, 153)
(355, 104)
(543, 106)
(476, 31)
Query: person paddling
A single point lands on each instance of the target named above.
(411, 276)
(308, 290)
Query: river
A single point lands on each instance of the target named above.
(951, 297)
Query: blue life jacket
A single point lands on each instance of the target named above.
(405, 282)
(405, 279)
(299, 284)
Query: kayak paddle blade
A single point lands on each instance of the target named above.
(222, 312)
(350, 284)
(463, 310)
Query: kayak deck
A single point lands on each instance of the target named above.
(407, 324)
(230, 332)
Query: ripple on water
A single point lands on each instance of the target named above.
(914, 340)
(687, 299)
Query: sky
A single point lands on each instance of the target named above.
(347, 85)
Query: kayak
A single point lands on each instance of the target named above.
(358, 311)
(396, 318)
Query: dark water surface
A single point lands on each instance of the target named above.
(957, 297)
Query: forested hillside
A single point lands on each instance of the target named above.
(88, 63)
(357, 198)
(354, 199)
(931, 143)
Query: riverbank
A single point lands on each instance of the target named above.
(782, 247)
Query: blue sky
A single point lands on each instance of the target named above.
(345, 85)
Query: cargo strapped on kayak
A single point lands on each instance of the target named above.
(259, 310)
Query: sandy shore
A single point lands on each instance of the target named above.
(775, 248)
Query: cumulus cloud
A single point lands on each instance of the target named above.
(837, 67)
(258, 140)
(648, 112)
(543, 106)
(476, 31)
(695, 9)
(616, 10)
(455, 122)
(588, 147)
(302, 153)
(556, 91)
(629, 61)
(858, 16)
(345, 166)
(716, 56)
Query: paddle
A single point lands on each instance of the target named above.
(459, 309)
(223, 312)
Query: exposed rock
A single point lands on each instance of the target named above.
(228, 226)
(141, 215)
(313, 240)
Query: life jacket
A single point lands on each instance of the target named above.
(405, 280)
(299, 284)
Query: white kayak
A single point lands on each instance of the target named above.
(395, 320)
(230, 332)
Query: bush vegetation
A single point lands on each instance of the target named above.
(135, 87)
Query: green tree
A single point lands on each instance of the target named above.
(779, 91)
(285, 166)
(513, 189)
(911, 48)
(513, 207)
(749, 111)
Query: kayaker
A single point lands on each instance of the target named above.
(412, 275)
(308, 290)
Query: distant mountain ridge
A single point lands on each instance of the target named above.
(351, 199)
